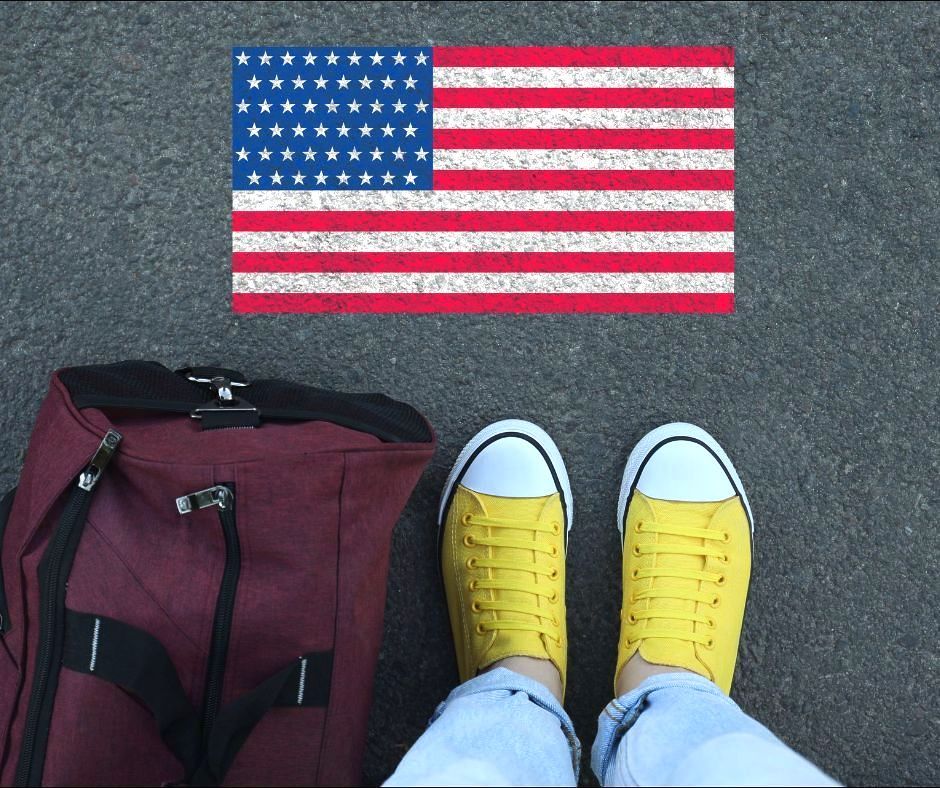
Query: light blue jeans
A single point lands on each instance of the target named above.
(502, 728)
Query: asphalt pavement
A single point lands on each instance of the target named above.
(823, 386)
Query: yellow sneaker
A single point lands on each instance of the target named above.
(504, 519)
(686, 527)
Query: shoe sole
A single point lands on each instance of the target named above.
(512, 428)
(653, 440)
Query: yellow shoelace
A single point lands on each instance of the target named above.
(682, 594)
(501, 584)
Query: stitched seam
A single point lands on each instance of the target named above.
(303, 681)
(94, 646)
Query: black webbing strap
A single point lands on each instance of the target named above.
(138, 663)
(304, 683)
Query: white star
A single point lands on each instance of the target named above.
(298, 178)
(421, 106)
(264, 106)
(354, 106)
(343, 130)
(242, 154)
(309, 154)
(399, 107)
(332, 58)
(410, 130)
(376, 106)
(366, 83)
(253, 130)
(343, 178)
(276, 130)
(287, 106)
(242, 59)
(265, 58)
(354, 155)
(254, 178)
(309, 106)
(365, 178)
(388, 81)
(265, 154)
(410, 178)
(422, 154)
(288, 154)
(309, 58)
(276, 82)
(399, 58)
(387, 130)
(387, 178)
(421, 58)
(321, 83)
(376, 155)
(343, 82)
(299, 83)
(410, 82)
(277, 178)
(254, 82)
(287, 59)
(354, 58)
(331, 106)
(321, 178)
(399, 154)
(377, 58)
(331, 154)
(243, 106)
(298, 130)
(365, 130)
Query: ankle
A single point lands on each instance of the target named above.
(541, 670)
(636, 669)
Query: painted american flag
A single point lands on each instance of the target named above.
(483, 179)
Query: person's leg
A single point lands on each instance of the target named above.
(687, 528)
(504, 519)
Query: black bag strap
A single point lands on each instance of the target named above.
(138, 663)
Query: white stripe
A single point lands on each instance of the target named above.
(582, 77)
(302, 682)
(482, 283)
(482, 242)
(94, 646)
(590, 118)
(484, 200)
(560, 159)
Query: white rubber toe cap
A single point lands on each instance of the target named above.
(510, 468)
(683, 470)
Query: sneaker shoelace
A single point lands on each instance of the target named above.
(505, 584)
(689, 595)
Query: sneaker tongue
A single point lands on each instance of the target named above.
(527, 509)
(680, 653)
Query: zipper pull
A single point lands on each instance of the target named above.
(220, 496)
(106, 449)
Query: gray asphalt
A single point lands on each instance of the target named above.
(823, 387)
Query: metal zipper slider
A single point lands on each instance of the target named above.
(109, 444)
(220, 496)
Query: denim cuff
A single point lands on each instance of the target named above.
(502, 679)
(620, 714)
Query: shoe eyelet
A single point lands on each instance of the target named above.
(709, 644)
(638, 528)
(469, 541)
(553, 598)
(555, 621)
(721, 580)
(710, 622)
(472, 585)
(475, 607)
(725, 537)
(556, 529)
(465, 518)
(471, 563)
(715, 602)
(635, 574)
(480, 630)
(636, 550)
(554, 552)
(553, 575)
(724, 559)
(631, 618)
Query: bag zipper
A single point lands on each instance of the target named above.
(222, 496)
(54, 569)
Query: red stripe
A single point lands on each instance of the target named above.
(584, 138)
(468, 262)
(482, 302)
(483, 221)
(544, 180)
(584, 56)
(583, 97)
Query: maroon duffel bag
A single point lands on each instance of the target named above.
(194, 571)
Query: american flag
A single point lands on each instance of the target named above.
(483, 179)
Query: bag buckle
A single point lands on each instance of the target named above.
(226, 410)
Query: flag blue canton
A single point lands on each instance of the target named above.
(332, 118)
